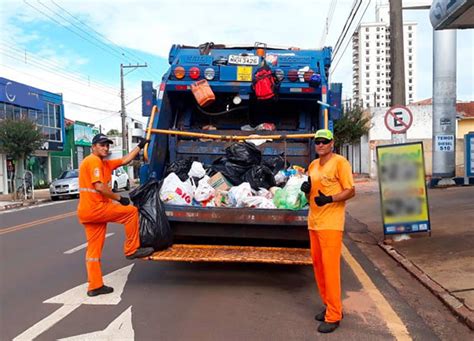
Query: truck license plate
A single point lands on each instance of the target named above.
(244, 73)
(243, 60)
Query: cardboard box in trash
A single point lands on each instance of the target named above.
(219, 182)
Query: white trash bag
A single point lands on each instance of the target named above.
(204, 191)
(197, 170)
(258, 202)
(238, 193)
(175, 192)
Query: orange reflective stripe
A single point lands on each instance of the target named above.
(92, 259)
(88, 190)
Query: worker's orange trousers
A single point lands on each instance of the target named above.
(326, 248)
(95, 232)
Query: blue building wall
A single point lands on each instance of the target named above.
(46, 109)
(41, 106)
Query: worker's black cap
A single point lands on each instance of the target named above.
(101, 138)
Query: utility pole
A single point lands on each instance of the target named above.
(397, 63)
(123, 112)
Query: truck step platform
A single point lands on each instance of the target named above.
(233, 254)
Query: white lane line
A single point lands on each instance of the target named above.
(82, 246)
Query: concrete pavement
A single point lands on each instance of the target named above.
(443, 262)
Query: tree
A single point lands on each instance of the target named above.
(351, 127)
(114, 132)
(19, 139)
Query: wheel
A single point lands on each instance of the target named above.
(127, 186)
(54, 198)
(115, 188)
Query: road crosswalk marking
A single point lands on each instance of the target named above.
(82, 246)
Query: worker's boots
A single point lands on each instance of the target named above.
(141, 252)
(100, 291)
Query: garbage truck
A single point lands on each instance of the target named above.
(182, 126)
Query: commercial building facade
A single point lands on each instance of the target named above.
(20, 101)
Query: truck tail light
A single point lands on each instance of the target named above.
(194, 72)
(307, 75)
(179, 72)
(209, 73)
(279, 74)
(292, 75)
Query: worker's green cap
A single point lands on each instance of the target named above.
(324, 134)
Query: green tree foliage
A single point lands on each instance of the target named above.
(19, 138)
(113, 132)
(351, 127)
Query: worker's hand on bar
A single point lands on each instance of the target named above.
(124, 201)
(142, 142)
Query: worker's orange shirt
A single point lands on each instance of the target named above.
(331, 178)
(93, 169)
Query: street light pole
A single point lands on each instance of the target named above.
(123, 112)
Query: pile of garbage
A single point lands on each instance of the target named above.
(241, 178)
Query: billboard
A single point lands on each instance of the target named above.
(403, 194)
(83, 135)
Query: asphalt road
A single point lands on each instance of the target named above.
(42, 258)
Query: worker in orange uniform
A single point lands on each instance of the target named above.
(98, 205)
(329, 185)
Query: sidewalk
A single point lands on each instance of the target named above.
(6, 201)
(443, 262)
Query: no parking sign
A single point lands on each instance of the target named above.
(398, 119)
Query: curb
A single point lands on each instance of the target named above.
(453, 303)
(23, 204)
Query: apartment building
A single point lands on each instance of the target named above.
(371, 60)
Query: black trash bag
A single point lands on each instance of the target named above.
(244, 154)
(232, 171)
(260, 176)
(180, 168)
(155, 230)
(276, 163)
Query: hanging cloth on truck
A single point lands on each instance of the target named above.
(264, 83)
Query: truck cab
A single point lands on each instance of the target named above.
(298, 108)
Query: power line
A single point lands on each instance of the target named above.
(329, 16)
(56, 85)
(69, 29)
(346, 27)
(11, 54)
(82, 30)
(117, 47)
(349, 40)
(51, 64)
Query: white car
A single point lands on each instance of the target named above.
(67, 185)
(120, 180)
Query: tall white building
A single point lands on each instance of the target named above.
(371, 60)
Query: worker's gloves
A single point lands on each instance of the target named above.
(124, 201)
(322, 199)
(306, 186)
(142, 142)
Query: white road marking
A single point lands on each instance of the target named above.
(82, 246)
(73, 298)
(47, 322)
(119, 329)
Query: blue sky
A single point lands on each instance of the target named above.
(37, 46)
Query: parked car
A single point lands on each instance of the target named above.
(67, 185)
(120, 180)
